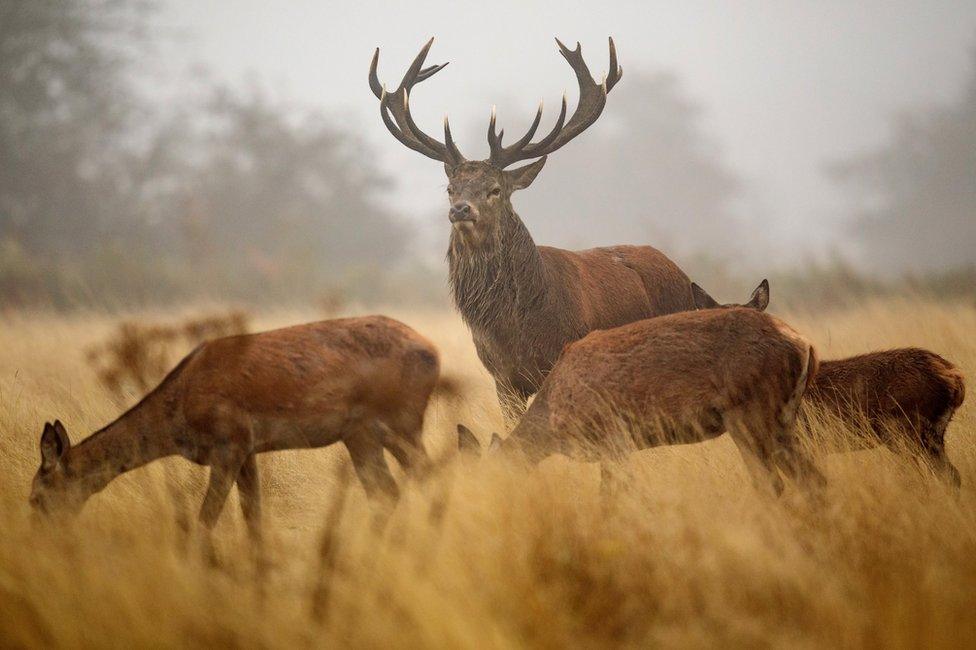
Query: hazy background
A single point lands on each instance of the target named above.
(165, 150)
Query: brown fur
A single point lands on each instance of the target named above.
(524, 303)
(677, 379)
(910, 392)
(363, 381)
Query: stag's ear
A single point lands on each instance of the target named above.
(467, 443)
(449, 169)
(496, 442)
(760, 297)
(521, 177)
(701, 298)
(54, 444)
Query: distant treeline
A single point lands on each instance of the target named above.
(108, 199)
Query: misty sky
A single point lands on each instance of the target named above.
(785, 86)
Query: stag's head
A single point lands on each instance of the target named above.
(53, 491)
(479, 192)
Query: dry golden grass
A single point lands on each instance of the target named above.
(688, 554)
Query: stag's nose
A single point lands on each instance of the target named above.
(462, 211)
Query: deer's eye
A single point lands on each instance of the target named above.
(495, 191)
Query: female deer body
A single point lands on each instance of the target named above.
(902, 395)
(363, 381)
(677, 379)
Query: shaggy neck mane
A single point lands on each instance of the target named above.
(500, 281)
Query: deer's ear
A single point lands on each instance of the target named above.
(54, 444)
(496, 442)
(467, 443)
(521, 177)
(449, 169)
(760, 297)
(701, 298)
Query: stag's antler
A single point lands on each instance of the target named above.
(593, 97)
(401, 124)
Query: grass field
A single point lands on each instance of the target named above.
(485, 556)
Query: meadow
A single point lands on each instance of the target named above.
(484, 555)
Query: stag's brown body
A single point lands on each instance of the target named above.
(907, 395)
(363, 381)
(523, 302)
(677, 379)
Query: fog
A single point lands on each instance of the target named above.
(783, 89)
(158, 150)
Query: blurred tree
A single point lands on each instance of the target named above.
(262, 195)
(915, 197)
(644, 173)
(65, 106)
(104, 197)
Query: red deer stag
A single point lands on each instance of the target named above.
(910, 392)
(363, 381)
(524, 302)
(675, 379)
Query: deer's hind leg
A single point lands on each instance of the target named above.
(249, 492)
(755, 450)
(366, 451)
(401, 436)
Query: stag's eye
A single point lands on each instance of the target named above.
(495, 191)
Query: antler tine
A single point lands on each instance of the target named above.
(395, 108)
(410, 76)
(374, 80)
(541, 145)
(404, 139)
(430, 71)
(452, 149)
(494, 140)
(412, 127)
(592, 99)
(525, 139)
(616, 72)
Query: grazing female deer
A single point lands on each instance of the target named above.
(363, 381)
(524, 302)
(910, 392)
(676, 379)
